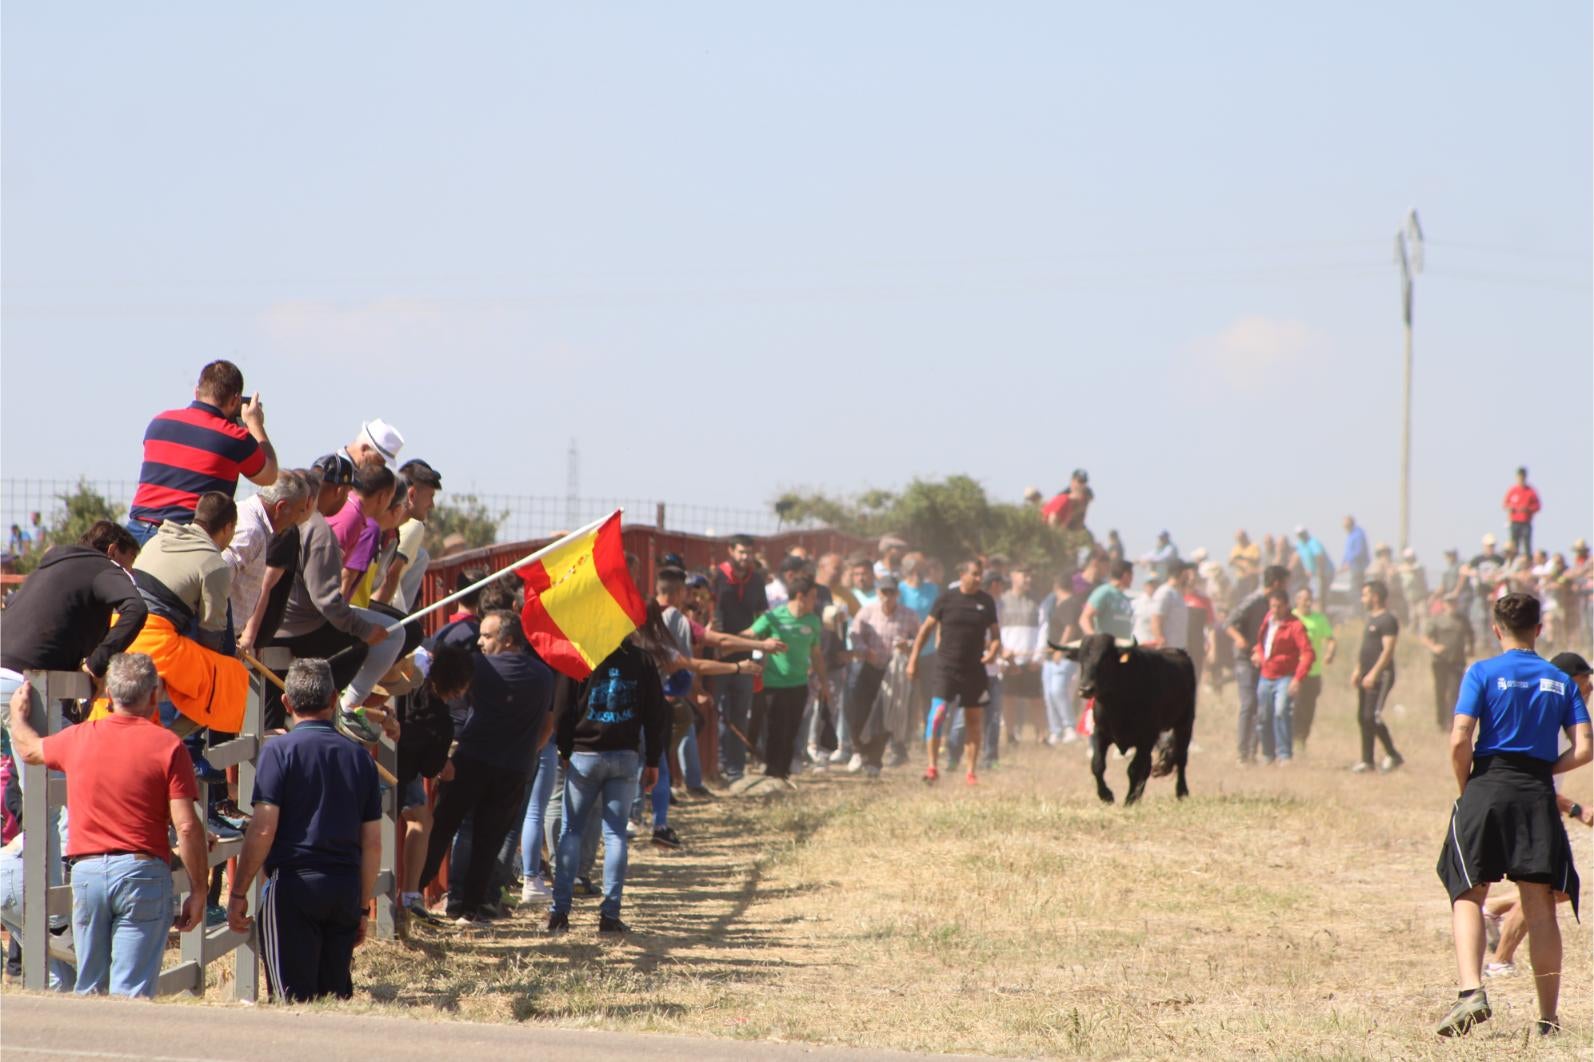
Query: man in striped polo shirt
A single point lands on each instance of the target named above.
(203, 447)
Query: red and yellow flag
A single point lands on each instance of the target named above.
(580, 601)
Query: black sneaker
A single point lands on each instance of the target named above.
(417, 910)
(1469, 1011)
(665, 837)
(587, 888)
(558, 922)
(612, 925)
(1548, 1026)
(702, 792)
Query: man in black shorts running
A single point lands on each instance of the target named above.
(970, 638)
(1507, 823)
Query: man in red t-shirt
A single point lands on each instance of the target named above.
(127, 779)
(1522, 505)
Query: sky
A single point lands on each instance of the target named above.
(733, 249)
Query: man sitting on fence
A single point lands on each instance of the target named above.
(186, 584)
(316, 618)
(128, 778)
(316, 831)
(282, 506)
(203, 447)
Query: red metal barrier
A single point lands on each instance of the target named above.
(648, 543)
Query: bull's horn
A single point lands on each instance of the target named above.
(1066, 647)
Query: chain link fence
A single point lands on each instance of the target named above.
(520, 517)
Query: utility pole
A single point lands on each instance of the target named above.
(1408, 255)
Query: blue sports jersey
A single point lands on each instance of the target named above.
(1522, 703)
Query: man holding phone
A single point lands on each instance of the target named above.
(202, 447)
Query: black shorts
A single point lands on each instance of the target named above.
(1506, 825)
(966, 690)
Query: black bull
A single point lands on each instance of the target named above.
(1140, 694)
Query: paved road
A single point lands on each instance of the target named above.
(35, 1027)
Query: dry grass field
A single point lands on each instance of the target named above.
(1277, 913)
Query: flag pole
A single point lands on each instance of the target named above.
(535, 555)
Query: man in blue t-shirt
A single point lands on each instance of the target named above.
(315, 830)
(1506, 823)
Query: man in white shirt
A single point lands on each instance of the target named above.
(284, 504)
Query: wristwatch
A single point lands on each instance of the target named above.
(1575, 811)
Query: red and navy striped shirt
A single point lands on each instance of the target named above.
(186, 453)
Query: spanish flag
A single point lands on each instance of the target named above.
(580, 600)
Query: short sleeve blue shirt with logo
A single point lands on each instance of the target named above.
(1522, 703)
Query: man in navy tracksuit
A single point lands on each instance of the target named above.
(317, 810)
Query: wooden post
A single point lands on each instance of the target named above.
(43, 798)
(385, 926)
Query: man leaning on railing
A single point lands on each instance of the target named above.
(129, 778)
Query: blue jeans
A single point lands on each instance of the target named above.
(661, 795)
(62, 976)
(690, 760)
(1059, 681)
(993, 725)
(141, 531)
(121, 912)
(733, 696)
(1245, 681)
(536, 807)
(605, 782)
(1273, 711)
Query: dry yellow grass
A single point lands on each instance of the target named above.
(1277, 913)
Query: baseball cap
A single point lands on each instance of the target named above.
(1571, 664)
(886, 582)
(1081, 475)
(1300, 529)
(421, 474)
(386, 438)
(697, 581)
(335, 470)
(672, 560)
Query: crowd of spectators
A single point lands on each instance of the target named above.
(512, 775)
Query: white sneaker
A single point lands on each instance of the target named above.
(816, 754)
(839, 757)
(1070, 736)
(1499, 969)
(855, 764)
(534, 887)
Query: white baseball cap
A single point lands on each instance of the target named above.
(385, 438)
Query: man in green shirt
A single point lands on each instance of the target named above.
(786, 673)
(1108, 610)
(1321, 633)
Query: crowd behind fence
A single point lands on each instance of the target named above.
(519, 517)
